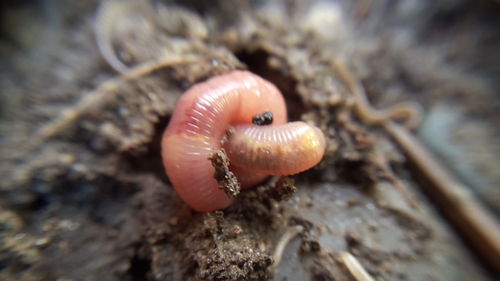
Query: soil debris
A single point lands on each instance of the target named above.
(283, 189)
(266, 118)
(83, 190)
(226, 179)
(220, 250)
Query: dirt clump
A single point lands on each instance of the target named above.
(226, 179)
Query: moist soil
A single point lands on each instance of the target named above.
(84, 195)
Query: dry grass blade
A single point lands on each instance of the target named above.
(108, 12)
(283, 242)
(355, 268)
(96, 97)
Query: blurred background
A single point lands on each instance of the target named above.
(79, 141)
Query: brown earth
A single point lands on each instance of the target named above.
(84, 195)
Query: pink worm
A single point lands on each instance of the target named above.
(201, 121)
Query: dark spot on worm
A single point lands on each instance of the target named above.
(263, 119)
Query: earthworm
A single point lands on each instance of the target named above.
(253, 147)
(219, 113)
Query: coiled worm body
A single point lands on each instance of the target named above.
(275, 150)
(224, 105)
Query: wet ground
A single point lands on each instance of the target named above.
(84, 196)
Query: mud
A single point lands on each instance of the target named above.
(226, 179)
(84, 195)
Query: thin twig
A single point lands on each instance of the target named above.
(407, 110)
(477, 224)
(289, 234)
(410, 111)
(355, 268)
(104, 92)
(383, 162)
(108, 13)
